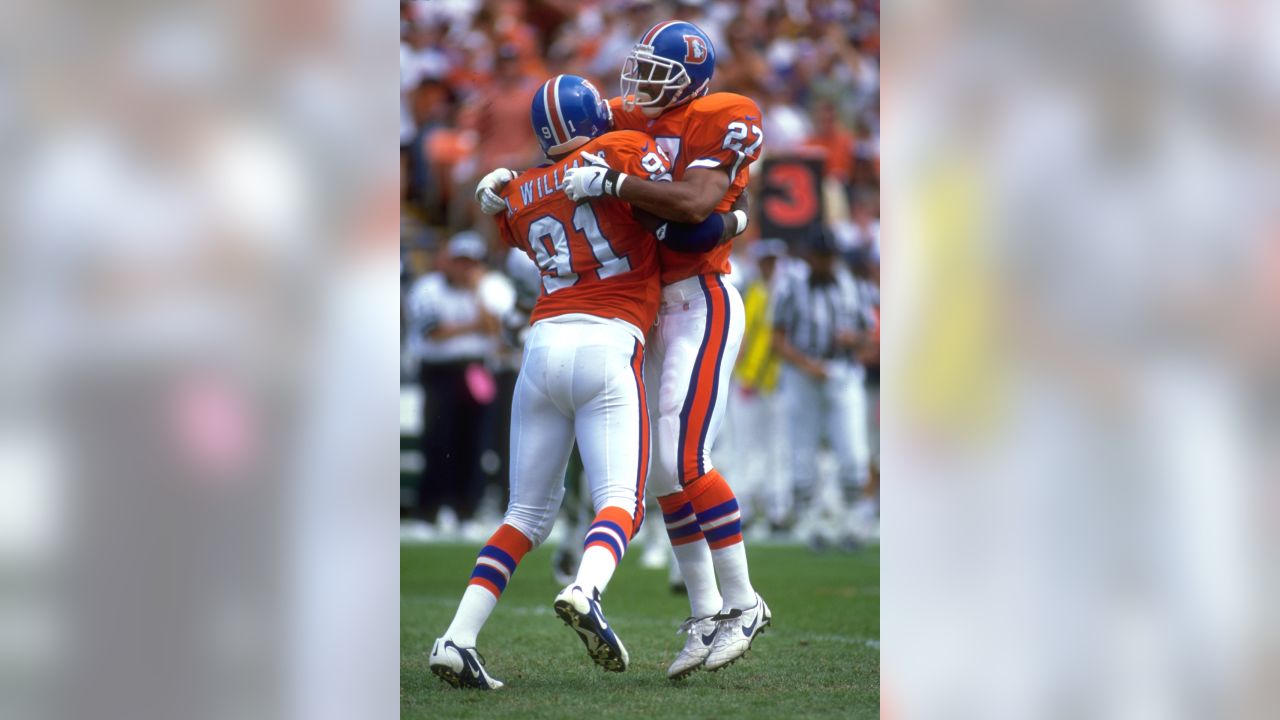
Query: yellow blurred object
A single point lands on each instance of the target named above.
(950, 374)
(757, 362)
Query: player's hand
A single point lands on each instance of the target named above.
(487, 190)
(582, 183)
(595, 179)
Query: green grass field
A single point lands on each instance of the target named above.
(820, 659)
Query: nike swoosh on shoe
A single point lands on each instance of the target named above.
(471, 663)
(746, 631)
(707, 639)
(599, 616)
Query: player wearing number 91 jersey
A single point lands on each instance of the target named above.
(595, 258)
(581, 378)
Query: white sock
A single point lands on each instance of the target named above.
(473, 611)
(596, 569)
(699, 573)
(735, 582)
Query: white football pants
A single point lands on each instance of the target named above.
(581, 377)
(691, 359)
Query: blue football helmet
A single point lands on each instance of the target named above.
(567, 112)
(672, 63)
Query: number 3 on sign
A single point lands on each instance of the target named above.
(737, 133)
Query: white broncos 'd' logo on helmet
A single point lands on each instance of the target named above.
(695, 49)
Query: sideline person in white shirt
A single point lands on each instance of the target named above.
(453, 332)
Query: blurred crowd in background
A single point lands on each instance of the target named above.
(198, 263)
(468, 71)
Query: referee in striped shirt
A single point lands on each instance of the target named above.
(821, 320)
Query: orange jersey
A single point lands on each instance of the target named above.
(595, 257)
(720, 130)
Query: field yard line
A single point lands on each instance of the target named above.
(845, 639)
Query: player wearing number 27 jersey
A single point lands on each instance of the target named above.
(711, 139)
(717, 131)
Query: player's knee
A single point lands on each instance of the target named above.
(662, 479)
(665, 460)
(616, 499)
(534, 522)
(661, 488)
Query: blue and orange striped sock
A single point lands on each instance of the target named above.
(604, 546)
(717, 510)
(692, 553)
(494, 567)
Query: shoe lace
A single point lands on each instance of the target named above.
(686, 627)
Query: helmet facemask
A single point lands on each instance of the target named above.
(651, 82)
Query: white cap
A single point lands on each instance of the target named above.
(467, 244)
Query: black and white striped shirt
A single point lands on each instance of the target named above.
(811, 314)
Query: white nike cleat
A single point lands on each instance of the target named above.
(702, 632)
(582, 613)
(737, 629)
(461, 667)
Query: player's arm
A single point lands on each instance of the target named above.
(505, 232)
(690, 200)
(652, 166)
(732, 139)
(716, 230)
(687, 237)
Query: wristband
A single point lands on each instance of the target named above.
(613, 182)
(741, 218)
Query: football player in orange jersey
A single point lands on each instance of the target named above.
(581, 376)
(711, 139)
